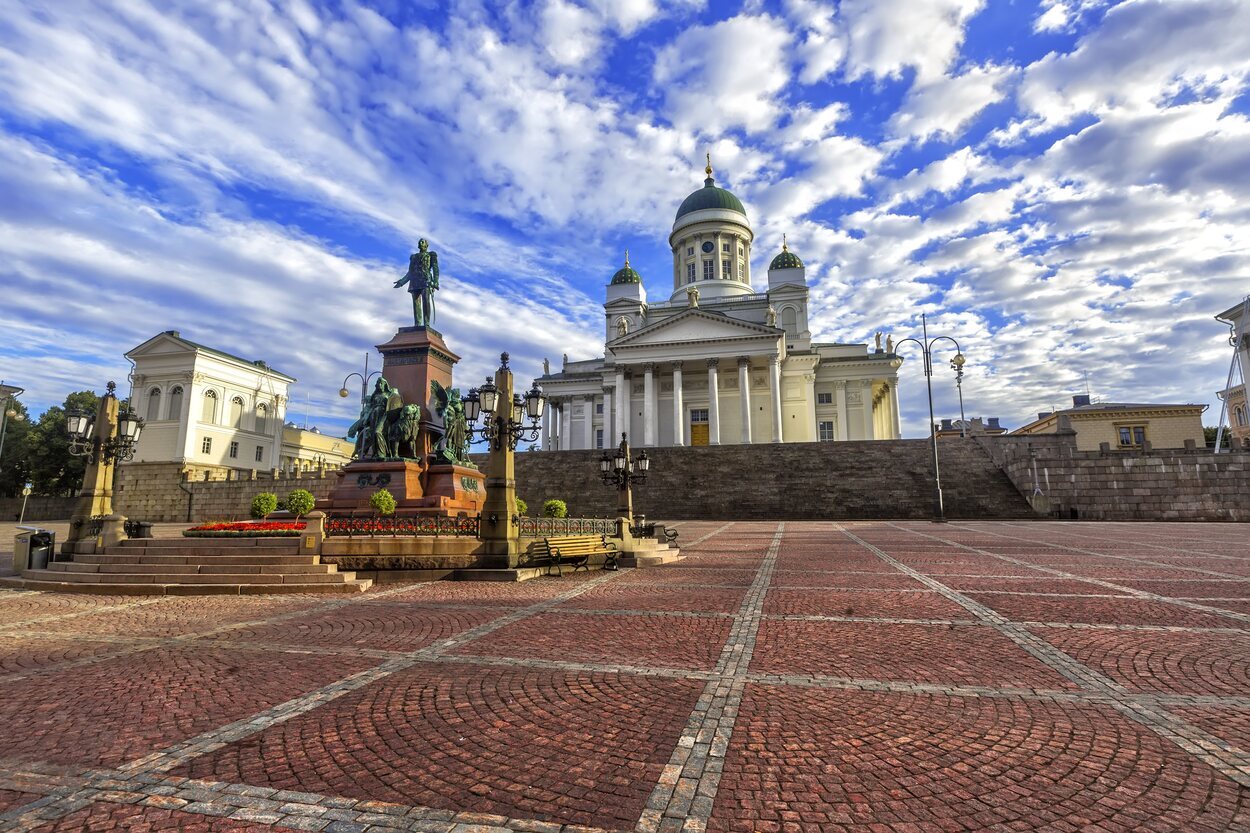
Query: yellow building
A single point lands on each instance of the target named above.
(307, 449)
(1124, 426)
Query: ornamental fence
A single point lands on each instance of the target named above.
(551, 527)
(365, 527)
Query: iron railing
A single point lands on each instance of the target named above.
(551, 527)
(368, 527)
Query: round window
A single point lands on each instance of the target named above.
(708, 247)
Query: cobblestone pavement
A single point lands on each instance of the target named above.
(876, 677)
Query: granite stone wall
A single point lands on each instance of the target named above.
(174, 492)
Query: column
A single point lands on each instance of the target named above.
(867, 396)
(622, 408)
(894, 411)
(556, 443)
(774, 391)
(744, 394)
(720, 274)
(609, 410)
(547, 426)
(676, 268)
(588, 402)
(679, 408)
(648, 404)
(809, 379)
(839, 398)
(713, 403)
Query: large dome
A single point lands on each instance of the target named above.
(709, 196)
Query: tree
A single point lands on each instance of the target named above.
(43, 451)
(14, 468)
(1209, 434)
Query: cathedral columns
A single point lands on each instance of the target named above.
(839, 397)
(679, 408)
(713, 403)
(609, 410)
(774, 391)
(622, 407)
(589, 428)
(720, 273)
(894, 415)
(744, 394)
(648, 404)
(867, 398)
(547, 426)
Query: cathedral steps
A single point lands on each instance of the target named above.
(186, 567)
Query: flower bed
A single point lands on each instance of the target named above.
(247, 529)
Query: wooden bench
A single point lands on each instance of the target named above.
(570, 549)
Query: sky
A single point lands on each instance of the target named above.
(1061, 185)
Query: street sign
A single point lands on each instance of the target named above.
(26, 490)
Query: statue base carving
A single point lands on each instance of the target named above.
(446, 490)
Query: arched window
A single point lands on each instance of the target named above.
(790, 321)
(175, 403)
(154, 405)
(1241, 415)
(236, 412)
(209, 412)
(262, 418)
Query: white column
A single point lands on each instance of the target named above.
(589, 404)
(713, 403)
(648, 404)
(608, 411)
(867, 395)
(622, 407)
(839, 397)
(810, 380)
(894, 411)
(676, 267)
(744, 394)
(547, 426)
(774, 391)
(679, 408)
(557, 418)
(716, 241)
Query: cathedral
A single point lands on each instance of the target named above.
(718, 363)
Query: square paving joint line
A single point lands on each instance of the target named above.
(683, 797)
(1229, 761)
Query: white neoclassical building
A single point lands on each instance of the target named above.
(718, 362)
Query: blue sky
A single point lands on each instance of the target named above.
(1061, 185)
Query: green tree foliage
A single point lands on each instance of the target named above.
(39, 453)
(1209, 434)
(383, 502)
(555, 508)
(264, 504)
(522, 507)
(14, 466)
(300, 502)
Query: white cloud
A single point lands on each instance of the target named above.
(885, 37)
(944, 106)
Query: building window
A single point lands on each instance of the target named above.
(1241, 416)
(690, 251)
(689, 273)
(825, 432)
(234, 451)
(599, 408)
(709, 271)
(824, 398)
(724, 247)
(175, 403)
(740, 270)
(209, 412)
(1132, 435)
(698, 414)
(262, 418)
(206, 446)
(598, 438)
(154, 405)
(260, 454)
(790, 322)
(726, 270)
(236, 412)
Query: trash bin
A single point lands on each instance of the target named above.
(21, 551)
(42, 545)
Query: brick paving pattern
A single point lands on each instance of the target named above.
(871, 677)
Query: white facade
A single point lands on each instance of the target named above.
(206, 407)
(718, 363)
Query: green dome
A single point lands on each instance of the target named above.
(709, 196)
(786, 259)
(626, 274)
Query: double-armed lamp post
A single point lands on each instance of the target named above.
(957, 364)
(622, 471)
(364, 381)
(104, 438)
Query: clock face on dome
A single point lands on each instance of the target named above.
(707, 247)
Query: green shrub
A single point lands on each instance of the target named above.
(264, 505)
(300, 502)
(383, 502)
(522, 507)
(555, 509)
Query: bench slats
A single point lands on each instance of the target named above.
(571, 549)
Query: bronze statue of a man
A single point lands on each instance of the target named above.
(422, 280)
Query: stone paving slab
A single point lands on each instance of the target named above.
(869, 677)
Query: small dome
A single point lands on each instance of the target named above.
(626, 274)
(709, 196)
(786, 259)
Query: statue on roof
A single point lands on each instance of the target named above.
(422, 280)
(546, 367)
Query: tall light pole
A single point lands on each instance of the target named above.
(364, 381)
(8, 398)
(104, 438)
(957, 365)
(622, 471)
(926, 347)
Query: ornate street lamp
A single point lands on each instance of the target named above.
(364, 381)
(112, 444)
(503, 426)
(622, 471)
(8, 398)
(957, 364)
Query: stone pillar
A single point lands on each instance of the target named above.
(498, 532)
(648, 405)
(713, 403)
(774, 392)
(609, 409)
(622, 405)
(547, 425)
(589, 404)
(867, 395)
(557, 442)
(676, 268)
(839, 398)
(744, 394)
(96, 496)
(809, 379)
(679, 408)
(720, 273)
(894, 411)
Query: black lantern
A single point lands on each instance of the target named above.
(535, 402)
(489, 396)
(79, 425)
(472, 405)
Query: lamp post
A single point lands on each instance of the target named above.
(364, 381)
(8, 398)
(104, 438)
(957, 365)
(507, 418)
(926, 347)
(621, 471)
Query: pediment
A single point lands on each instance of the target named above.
(161, 344)
(695, 325)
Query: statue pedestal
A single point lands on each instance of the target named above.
(414, 357)
(437, 490)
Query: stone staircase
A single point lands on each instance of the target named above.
(193, 567)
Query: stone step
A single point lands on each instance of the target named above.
(184, 548)
(223, 543)
(189, 578)
(227, 589)
(191, 569)
(138, 557)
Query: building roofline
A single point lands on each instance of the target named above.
(221, 354)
